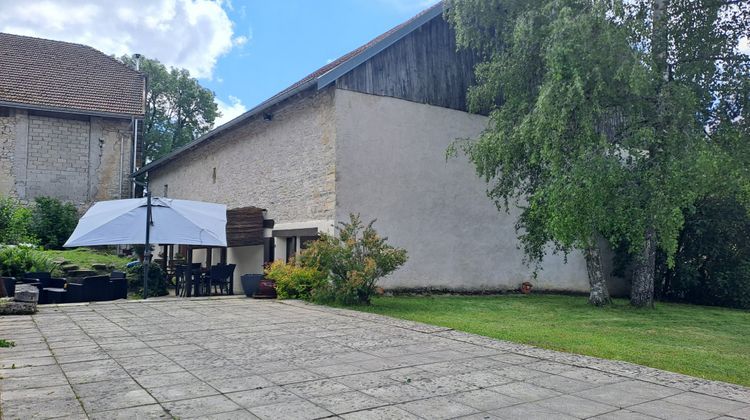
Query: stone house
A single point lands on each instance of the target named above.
(67, 113)
(368, 134)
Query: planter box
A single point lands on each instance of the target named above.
(251, 283)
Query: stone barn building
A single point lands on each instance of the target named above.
(368, 134)
(67, 114)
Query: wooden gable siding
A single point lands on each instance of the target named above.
(422, 67)
(245, 226)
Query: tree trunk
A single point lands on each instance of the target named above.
(642, 288)
(599, 295)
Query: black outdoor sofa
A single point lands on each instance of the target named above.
(88, 289)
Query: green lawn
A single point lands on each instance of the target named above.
(706, 342)
(84, 257)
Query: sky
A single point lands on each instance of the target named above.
(244, 50)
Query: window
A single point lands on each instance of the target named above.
(291, 247)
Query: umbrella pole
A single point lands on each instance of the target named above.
(147, 248)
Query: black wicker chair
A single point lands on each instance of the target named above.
(90, 289)
(44, 282)
(118, 286)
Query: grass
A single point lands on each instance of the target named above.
(84, 257)
(706, 342)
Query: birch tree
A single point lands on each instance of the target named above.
(607, 119)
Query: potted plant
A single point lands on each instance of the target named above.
(526, 287)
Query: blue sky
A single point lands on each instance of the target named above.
(244, 50)
(289, 39)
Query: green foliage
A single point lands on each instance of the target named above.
(53, 221)
(596, 130)
(7, 343)
(701, 341)
(354, 261)
(157, 281)
(712, 265)
(294, 281)
(178, 108)
(18, 259)
(15, 223)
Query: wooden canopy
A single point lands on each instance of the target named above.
(244, 226)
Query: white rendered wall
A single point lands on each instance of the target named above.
(390, 165)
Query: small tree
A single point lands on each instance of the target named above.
(53, 221)
(15, 221)
(354, 261)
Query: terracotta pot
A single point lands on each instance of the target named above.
(526, 287)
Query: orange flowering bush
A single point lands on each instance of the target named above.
(354, 261)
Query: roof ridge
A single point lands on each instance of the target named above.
(328, 67)
(291, 90)
(76, 44)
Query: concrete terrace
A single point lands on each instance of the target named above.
(238, 358)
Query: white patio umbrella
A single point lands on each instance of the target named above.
(172, 221)
(183, 222)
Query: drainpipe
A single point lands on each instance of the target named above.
(135, 153)
(122, 163)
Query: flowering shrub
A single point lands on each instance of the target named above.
(353, 262)
(294, 281)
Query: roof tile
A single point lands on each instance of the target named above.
(53, 74)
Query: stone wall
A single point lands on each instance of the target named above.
(285, 165)
(109, 159)
(79, 159)
(58, 158)
(7, 148)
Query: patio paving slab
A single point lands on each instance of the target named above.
(237, 358)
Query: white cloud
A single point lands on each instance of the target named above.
(230, 110)
(240, 40)
(184, 33)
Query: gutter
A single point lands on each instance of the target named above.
(68, 110)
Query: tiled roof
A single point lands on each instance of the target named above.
(45, 74)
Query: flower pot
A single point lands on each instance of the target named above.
(266, 289)
(526, 287)
(250, 283)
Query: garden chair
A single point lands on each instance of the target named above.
(118, 286)
(89, 289)
(47, 285)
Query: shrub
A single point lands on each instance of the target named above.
(157, 281)
(712, 265)
(353, 261)
(53, 221)
(15, 222)
(294, 281)
(18, 259)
